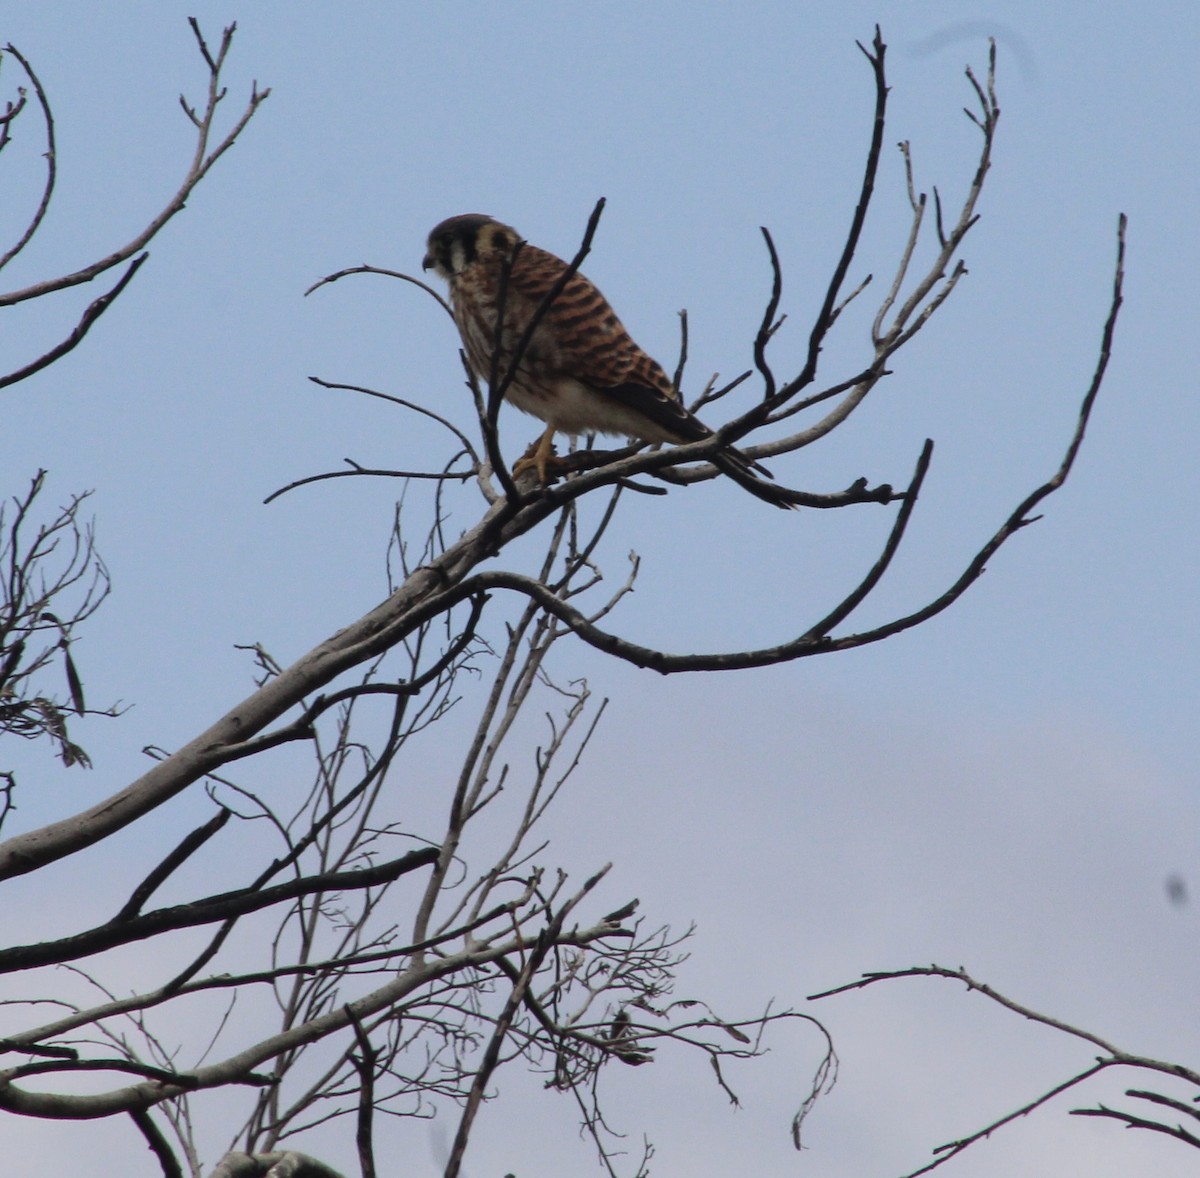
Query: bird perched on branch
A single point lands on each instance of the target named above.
(581, 373)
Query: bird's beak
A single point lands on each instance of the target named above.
(427, 264)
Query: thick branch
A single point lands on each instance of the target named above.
(207, 911)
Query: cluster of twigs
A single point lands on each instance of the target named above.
(42, 564)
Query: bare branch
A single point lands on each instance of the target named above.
(51, 155)
(365, 269)
(365, 1063)
(423, 410)
(94, 310)
(203, 159)
(1132, 1121)
(158, 1143)
(188, 847)
(953, 1148)
(214, 908)
(1112, 1057)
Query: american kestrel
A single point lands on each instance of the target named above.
(582, 373)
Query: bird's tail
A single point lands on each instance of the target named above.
(741, 469)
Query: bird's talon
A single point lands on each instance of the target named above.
(543, 458)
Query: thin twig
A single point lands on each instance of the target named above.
(51, 156)
(365, 269)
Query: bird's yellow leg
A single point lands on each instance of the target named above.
(539, 456)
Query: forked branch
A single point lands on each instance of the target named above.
(205, 155)
(1112, 1057)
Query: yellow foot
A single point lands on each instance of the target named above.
(541, 457)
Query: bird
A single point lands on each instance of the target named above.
(582, 373)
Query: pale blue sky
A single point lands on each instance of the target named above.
(1006, 788)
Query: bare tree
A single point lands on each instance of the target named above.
(400, 932)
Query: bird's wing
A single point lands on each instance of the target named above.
(663, 410)
(584, 341)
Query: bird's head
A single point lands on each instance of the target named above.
(461, 241)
